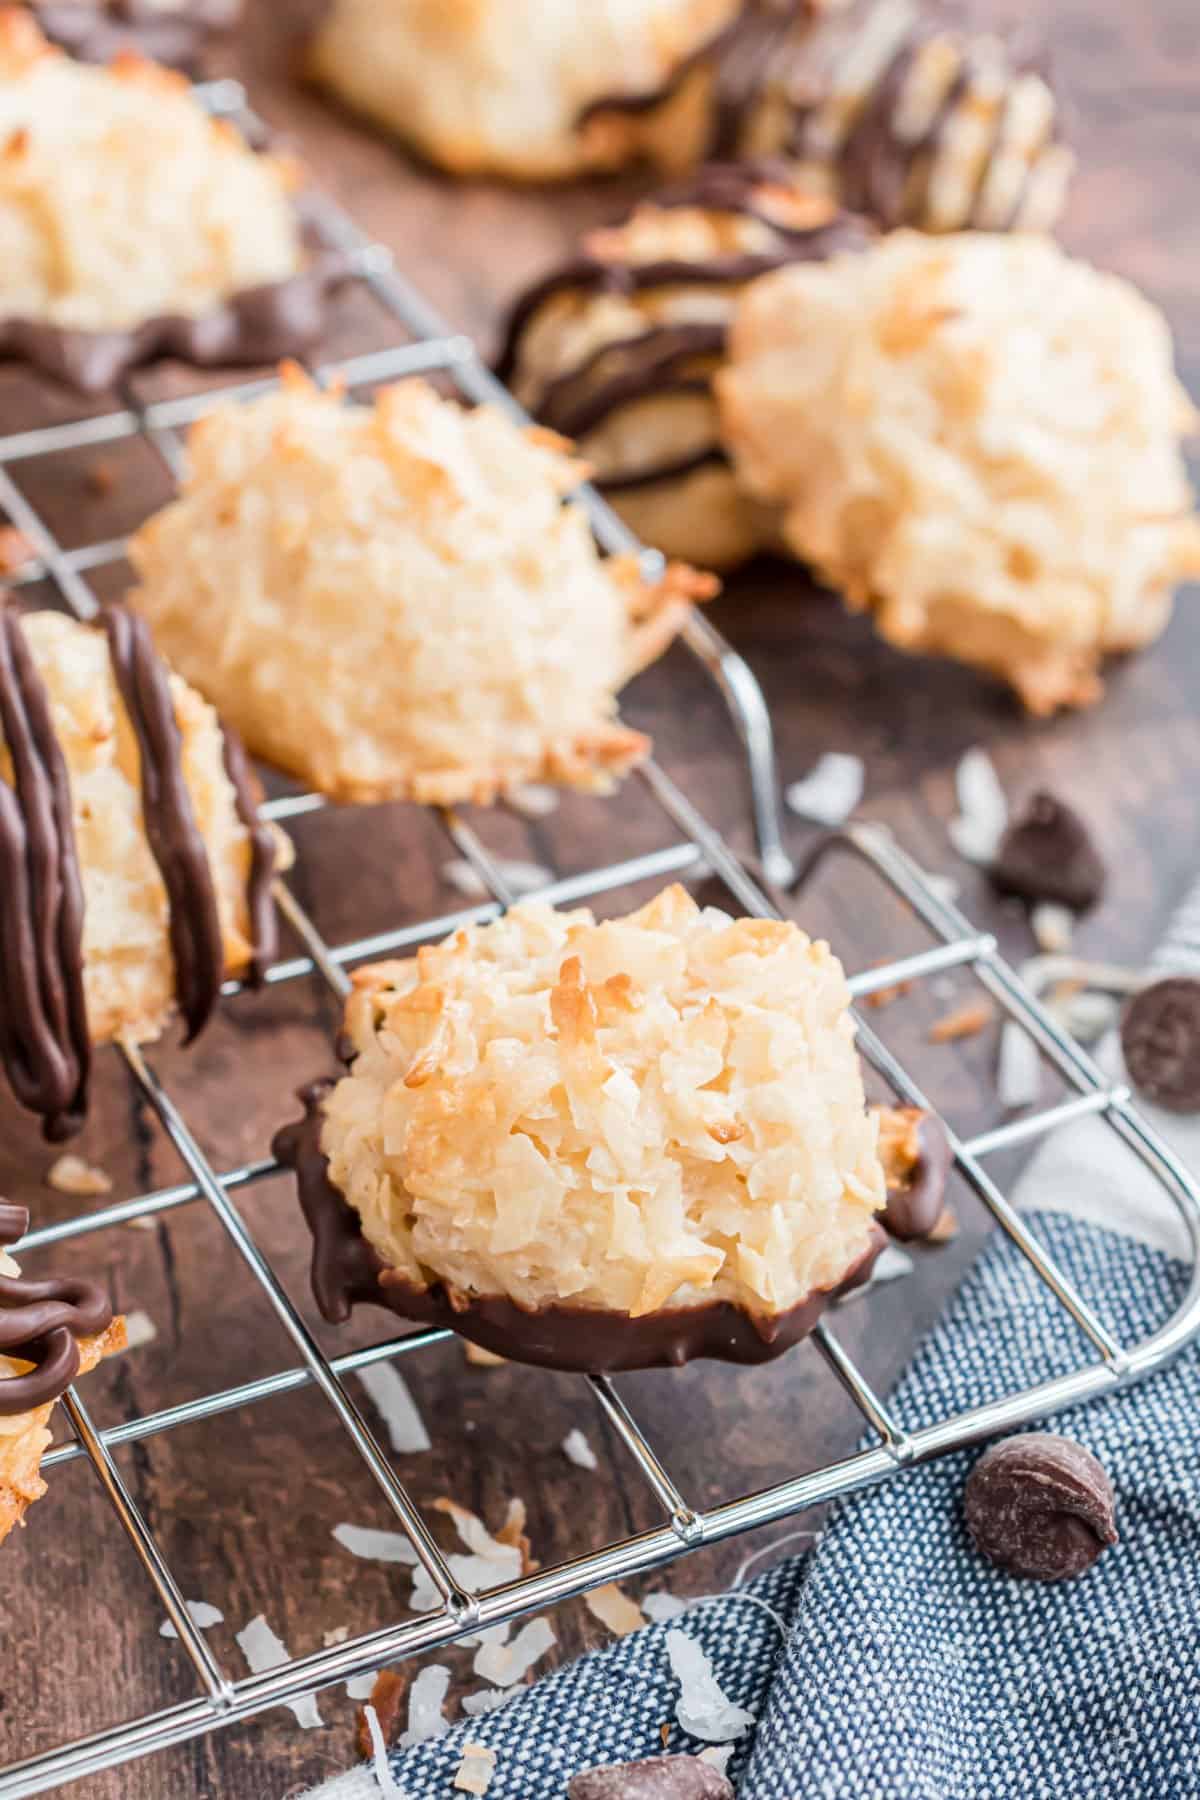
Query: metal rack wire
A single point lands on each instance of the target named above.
(891, 1444)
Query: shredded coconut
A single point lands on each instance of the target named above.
(662, 1606)
(1018, 1067)
(703, 1709)
(576, 1449)
(139, 1329)
(615, 1609)
(426, 1698)
(1053, 927)
(475, 1771)
(506, 1664)
(202, 1615)
(263, 1651)
(830, 793)
(69, 1174)
(397, 1408)
(982, 808)
(489, 1700)
(379, 1757)
(375, 1546)
(361, 1687)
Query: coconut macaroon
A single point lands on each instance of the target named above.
(598, 1145)
(133, 223)
(56, 1330)
(503, 86)
(977, 439)
(617, 349)
(392, 601)
(135, 871)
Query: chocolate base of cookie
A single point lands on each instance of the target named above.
(96, 33)
(347, 1270)
(259, 325)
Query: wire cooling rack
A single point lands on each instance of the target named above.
(889, 1446)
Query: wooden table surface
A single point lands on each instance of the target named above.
(244, 1506)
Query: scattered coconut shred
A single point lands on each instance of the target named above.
(1018, 1067)
(661, 1606)
(71, 1175)
(504, 1665)
(379, 1757)
(965, 1021)
(396, 1407)
(982, 808)
(615, 1609)
(831, 791)
(576, 1449)
(703, 1709)
(202, 1615)
(1053, 927)
(376, 1546)
(426, 1698)
(475, 1771)
(262, 1651)
(139, 1329)
(520, 877)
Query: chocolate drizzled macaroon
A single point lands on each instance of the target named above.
(133, 224)
(135, 870)
(617, 349)
(597, 1146)
(392, 601)
(895, 108)
(50, 1332)
(173, 32)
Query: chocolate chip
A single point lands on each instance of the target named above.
(1160, 1035)
(656, 1778)
(916, 1156)
(1040, 1506)
(1047, 853)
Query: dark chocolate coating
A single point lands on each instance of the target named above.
(258, 325)
(264, 927)
(654, 1778)
(169, 819)
(1160, 1037)
(1047, 853)
(916, 1202)
(346, 1269)
(39, 1323)
(44, 1043)
(1040, 1506)
(98, 30)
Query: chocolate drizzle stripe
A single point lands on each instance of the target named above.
(44, 1042)
(39, 1324)
(346, 1270)
(170, 824)
(641, 362)
(264, 933)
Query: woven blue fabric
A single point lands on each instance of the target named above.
(911, 1668)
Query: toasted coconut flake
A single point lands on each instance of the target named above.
(512, 1534)
(1053, 927)
(397, 1408)
(379, 1758)
(475, 1771)
(717, 1755)
(963, 1022)
(337, 1634)
(661, 1606)
(506, 1664)
(70, 1174)
(982, 808)
(615, 1609)
(202, 1615)
(375, 1546)
(426, 1698)
(576, 1449)
(830, 793)
(262, 1651)
(703, 1709)
(1018, 1067)
(481, 1358)
(139, 1329)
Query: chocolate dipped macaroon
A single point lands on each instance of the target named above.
(135, 225)
(597, 1145)
(135, 871)
(617, 349)
(50, 1332)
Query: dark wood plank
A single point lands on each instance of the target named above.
(244, 1506)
